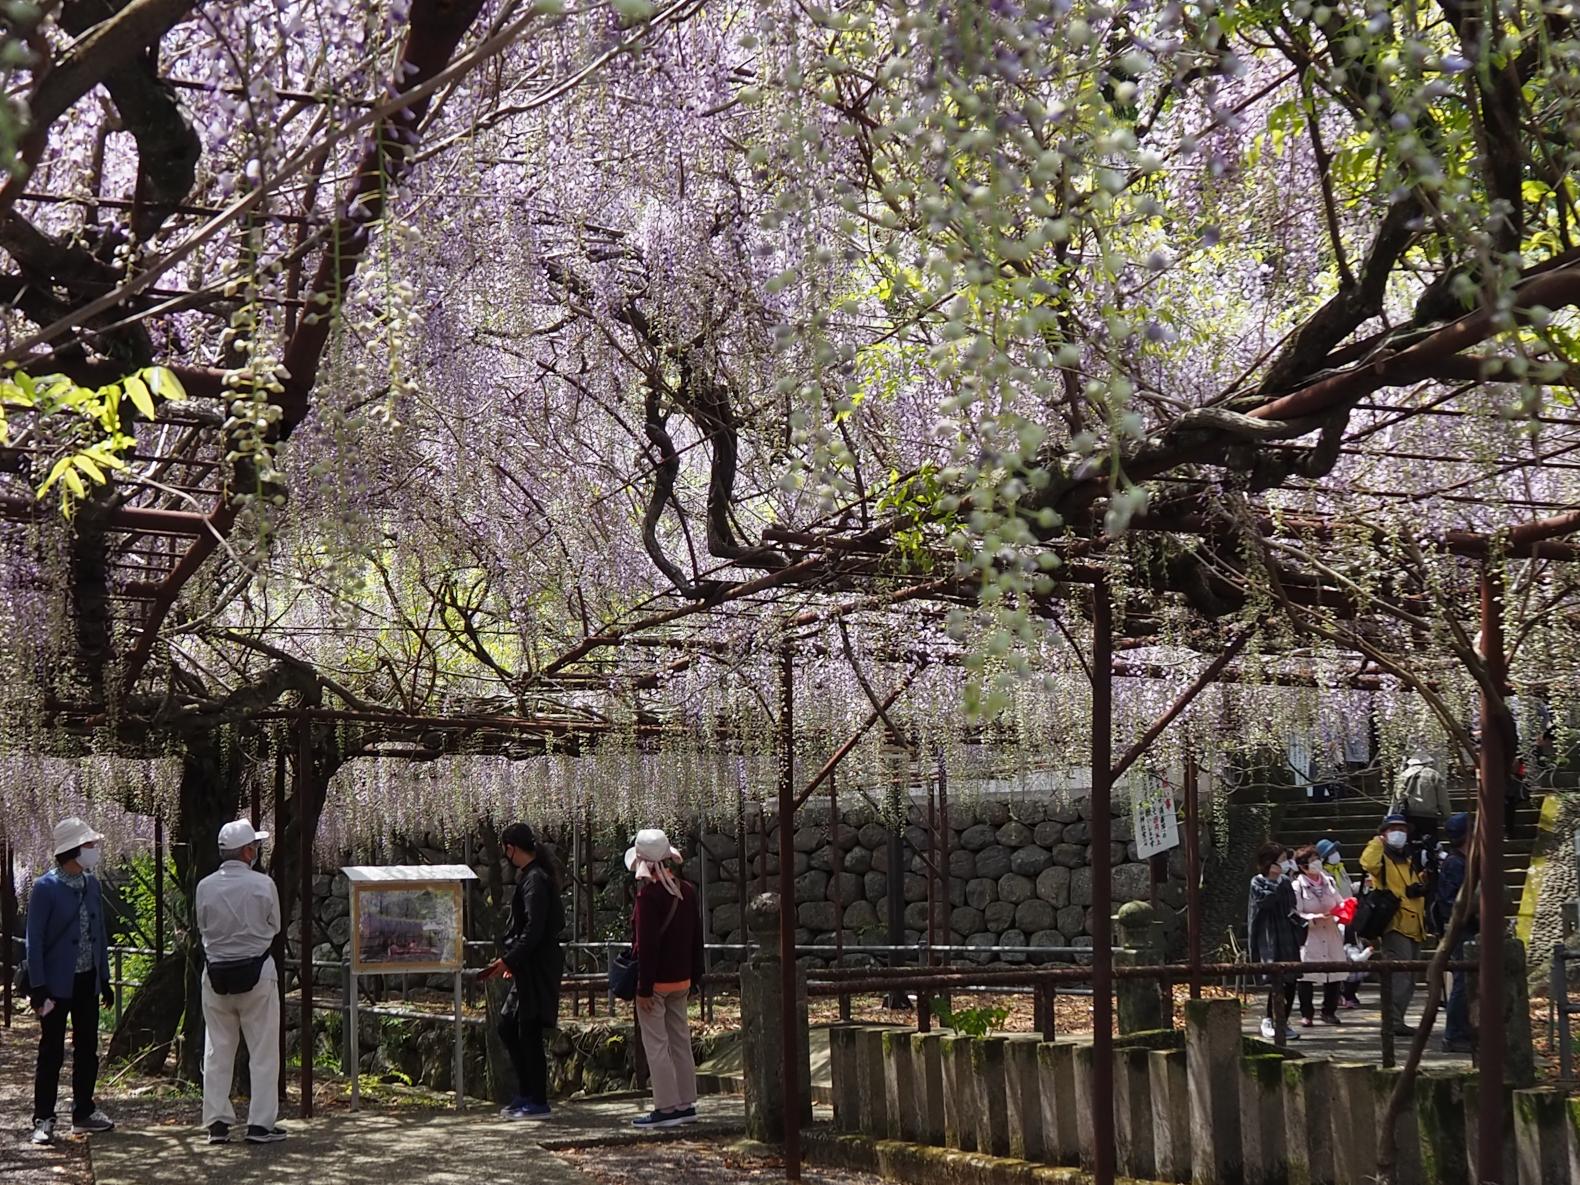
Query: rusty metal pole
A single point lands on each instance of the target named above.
(945, 932)
(7, 924)
(159, 884)
(1102, 889)
(1192, 874)
(1489, 829)
(277, 874)
(789, 1012)
(837, 863)
(306, 825)
(740, 866)
(923, 997)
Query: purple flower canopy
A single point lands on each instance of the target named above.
(648, 343)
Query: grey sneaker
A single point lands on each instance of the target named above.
(44, 1131)
(88, 1125)
(264, 1135)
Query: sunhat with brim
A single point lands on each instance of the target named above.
(73, 833)
(235, 836)
(1326, 848)
(651, 845)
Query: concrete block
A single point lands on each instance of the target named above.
(1056, 1074)
(1263, 1155)
(992, 1112)
(1473, 1131)
(1212, 1053)
(927, 1067)
(1134, 1152)
(1572, 1115)
(899, 1083)
(1440, 1117)
(1170, 1114)
(1308, 1121)
(1023, 1091)
(1085, 1137)
(1354, 1124)
(874, 1105)
(1407, 1137)
(1541, 1136)
(960, 1114)
(844, 1077)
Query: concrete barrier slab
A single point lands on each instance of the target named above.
(1023, 1090)
(1056, 1074)
(1170, 1114)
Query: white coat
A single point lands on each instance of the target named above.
(1315, 901)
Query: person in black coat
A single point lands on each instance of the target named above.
(534, 963)
(1274, 932)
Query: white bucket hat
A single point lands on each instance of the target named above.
(235, 836)
(652, 845)
(73, 833)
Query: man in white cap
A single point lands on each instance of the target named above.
(68, 970)
(238, 915)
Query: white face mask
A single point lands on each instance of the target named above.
(89, 857)
(1287, 865)
(1315, 868)
(1395, 839)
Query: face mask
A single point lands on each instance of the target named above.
(1335, 858)
(89, 857)
(1315, 868)
(1287, 865)
(1395, 839)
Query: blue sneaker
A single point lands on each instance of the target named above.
(508, 1111)
(657, 1119)
(534, 1111)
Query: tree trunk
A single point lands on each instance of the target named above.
(150, 1020)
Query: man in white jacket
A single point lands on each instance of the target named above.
(238, 915)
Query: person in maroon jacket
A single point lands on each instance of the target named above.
(667, 929)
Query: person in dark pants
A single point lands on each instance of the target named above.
(1273, 931)
(1457, 1034)
(68, 967)
(534, 962)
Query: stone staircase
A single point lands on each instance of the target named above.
(1353, 821)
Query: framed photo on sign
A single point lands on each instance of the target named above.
(406, 926)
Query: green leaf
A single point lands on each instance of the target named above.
(88, 466)
(164, 382)
(142, 399)
(60, 468)
(73, 482)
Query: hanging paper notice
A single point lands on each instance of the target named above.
(1157, 825)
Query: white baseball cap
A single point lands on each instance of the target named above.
(235, 836)
(73, 833)
(651, 845)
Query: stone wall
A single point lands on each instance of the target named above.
(1019, 875)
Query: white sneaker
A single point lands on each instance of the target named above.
(44, 1131)
(1268, 1032)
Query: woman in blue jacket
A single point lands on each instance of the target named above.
(68, 966)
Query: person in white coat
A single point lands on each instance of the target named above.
(238, 916)
(1316, 897)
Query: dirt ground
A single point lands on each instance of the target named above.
(695, 1164)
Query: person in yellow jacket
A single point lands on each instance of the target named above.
(1392, 865)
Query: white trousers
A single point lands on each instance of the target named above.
(255, 1017)
(666, 1036)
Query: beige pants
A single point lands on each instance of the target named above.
(666, 1036)
(227, 1020)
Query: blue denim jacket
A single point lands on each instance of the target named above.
(53, 934)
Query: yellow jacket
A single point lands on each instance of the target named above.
(1396, 874)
